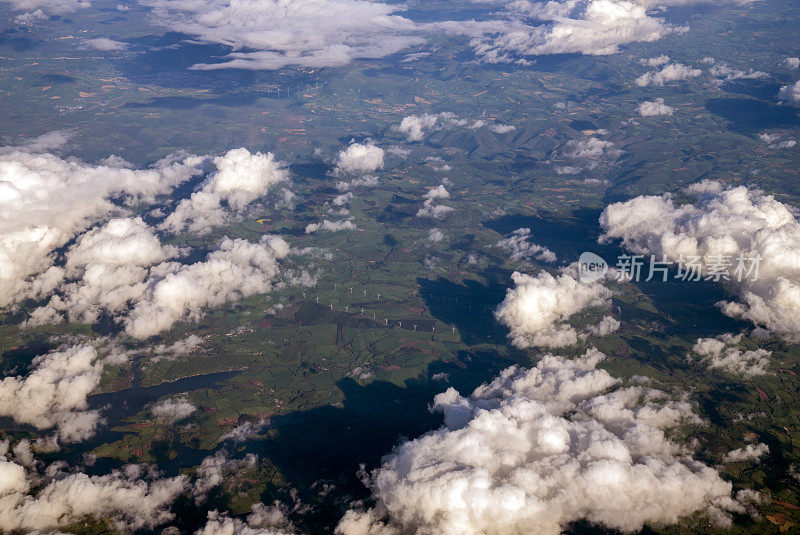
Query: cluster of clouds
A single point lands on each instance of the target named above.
(120, 269)
(332, 33)
(591, 148)
(54, 393)
(728, 225)
(669, 73)
(652, 108)
(721, 353)
(417, 127)
(538, 449)
(305, 33)
(330, 226)
(39, 499)
(773, 141)
(46, 201)
(263, 520)
(149, 299)
(594, 27)
(132, 498)
(368, 181)
(722, 73)
(240, 178)
(33, 10)
(524, 250)
(430, 207)
(537, 308)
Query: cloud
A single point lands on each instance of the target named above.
(721, 353)
(669, 73)
(215, 468)
(304, 33)
(53, 394)
(607, 325)
(434, 211)
(417, 127)
(264, 520)
(176, 349)
(106, 44)
(55, 7)
(435, 235)
(332, 33)
(654, 107)
(430, 208)
(121, 269)
(234, 270)
(173, 410)
(790, 94)
(244, 432)
(791, 63)
(50, 141)
(368, 181)
(772, 141)
(536, 450)
(330, 226)
(567, 170)
(727, 234)
(591, 147)
(502, 128)
(721, 70)
(748, 453)
(592, 27)
(439, 192)
(45, 201)
(359, 158)
(131, 498)
(522, 249)
(241, 177)
(107, 267)
(343, 199)
(537, 308)
(655, 62)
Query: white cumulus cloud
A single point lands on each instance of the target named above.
(790, 94)
(538, 449)
(240, 178)
(744, 239)
(53, 394)
(359, 158)
(522, 249)
(748, 453)
(669, 73)
(173, 410)
(537, 308)
(45, 201)
(721, 353)
(650, 108)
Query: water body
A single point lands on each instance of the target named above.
(117, 406)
